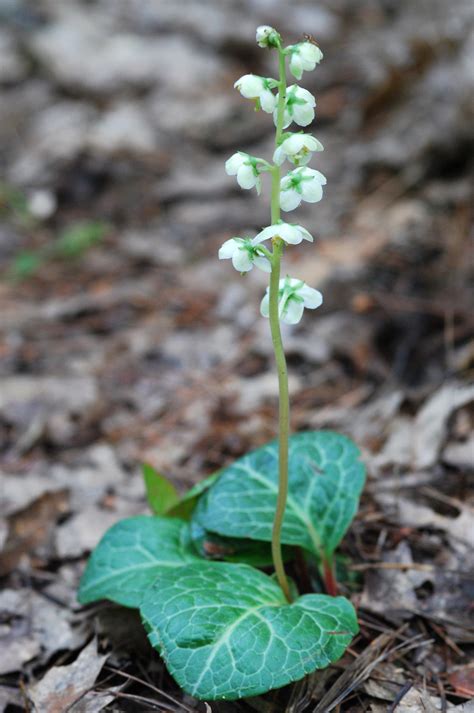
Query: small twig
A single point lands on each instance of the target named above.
(447, 639)
(361, 668)
(392, 565)
(142, 699)
(400, 695)
(442, 694)
(150, 686)
(454, 502)
(374, 626)
(24, 695)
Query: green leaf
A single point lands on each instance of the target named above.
(160, 493)
(78, 238)
(226, 631)
(184, 508)
(326, 478)
(14, 202)
(25, 264)
(131, 555)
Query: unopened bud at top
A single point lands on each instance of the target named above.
(267, 36)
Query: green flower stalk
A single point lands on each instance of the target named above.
(286, 298)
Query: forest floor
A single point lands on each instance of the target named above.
(124, 340)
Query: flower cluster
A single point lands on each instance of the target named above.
(288, 105)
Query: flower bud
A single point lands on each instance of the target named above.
(267, 36)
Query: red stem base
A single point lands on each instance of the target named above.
(329, 576)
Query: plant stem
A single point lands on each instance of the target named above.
(329, 575)
(284, 404)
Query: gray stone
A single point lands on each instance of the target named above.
(88, 53)
(13, 67)
(123, 129)
(57, 134)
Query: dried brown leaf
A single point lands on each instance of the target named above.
(64, 686)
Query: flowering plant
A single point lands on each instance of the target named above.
(225, 628)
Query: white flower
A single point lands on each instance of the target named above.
(251, 86)
(301, 184)
(267, 36)
(293, 296)
(297, 148)
(291, 234)
(245, 168)
(304, 57)
(299, 107)
(244, 254)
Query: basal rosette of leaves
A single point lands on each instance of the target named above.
(204, 616)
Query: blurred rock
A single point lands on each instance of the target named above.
(123, 129)
(82, 532)
(398, 448)
(68, 688)
(13, 68)
(47, 628)
(72, 394)
(213, 23)
(153, 245)
(391, 592)
(460, 455)
(208, 117)
(87, 481)
(56, 135)
(85, 51)
(431, 422)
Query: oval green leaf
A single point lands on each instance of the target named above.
(326, 478)
(225, 631)
(131, 555)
